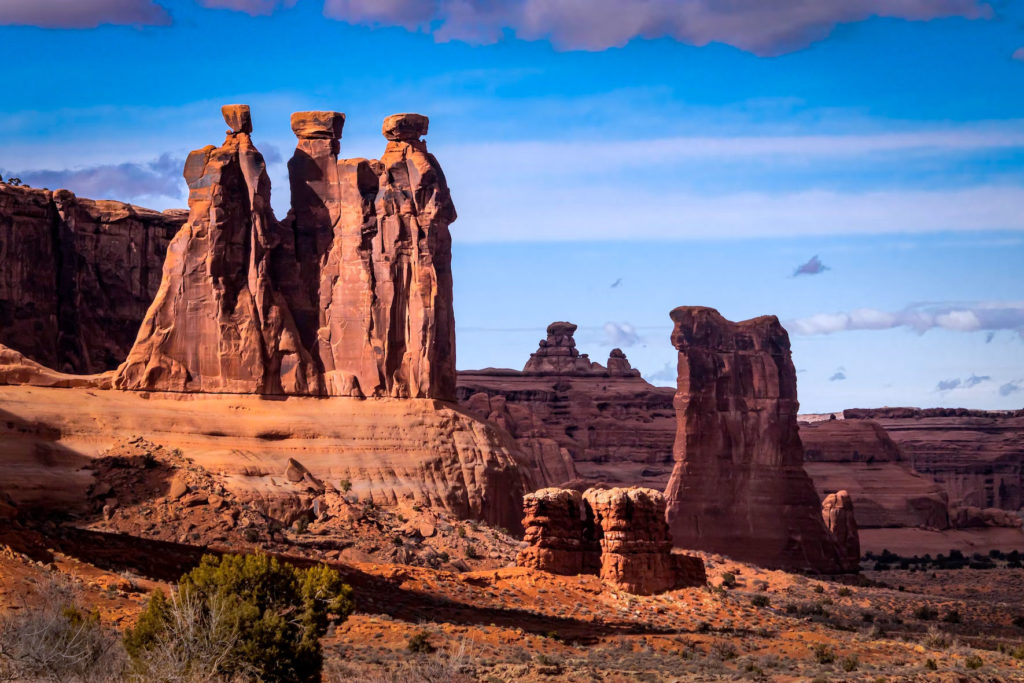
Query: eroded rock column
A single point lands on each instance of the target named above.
(837, 512)
(560, 535)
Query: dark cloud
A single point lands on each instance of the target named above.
(947, 384)
(82, 13)
(958, 317)
(253, 7)
(1018, 54)
(814, 266)
(839, 376)
(1011, 387)
(764, 27)
(975, 380)
(124, 182)
(620, 334)
(989, 337)
(617, 283)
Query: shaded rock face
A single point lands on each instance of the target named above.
(76, 275)
(860, 457)
(738, 486)
(970, 517)
(837, 512)
(560, 531)
(582, 423)
(350, 295)
(619, 534)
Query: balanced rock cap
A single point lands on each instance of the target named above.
(405, 127)
(237, 117)
(318, 125)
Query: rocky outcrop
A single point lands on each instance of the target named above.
(619, 534)
(350, 295)
(837, 512)
(76, 275)
(970, 517)
(557, 355)
(848, 441)
(421, 453)
(582, 423)
(738, 486)
(636, 548)
(560, 532)
(15, 368)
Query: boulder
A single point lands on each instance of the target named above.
(738, 487)
(837, 512)
(405, 127)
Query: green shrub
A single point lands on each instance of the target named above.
(728, 579)
(849, 663)
(824, 654)
(844, 592)
(420, 643)
(269, 615)
(973, 662)
(760, 601)
(951, 617)
(925, 613)
(931, 665)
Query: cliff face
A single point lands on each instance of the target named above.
(77, 275)
(578, 419)
(976, 456)
(350, 295)
(738, 486)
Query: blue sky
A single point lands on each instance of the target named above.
(697, 151)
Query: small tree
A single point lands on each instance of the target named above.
(242, 615)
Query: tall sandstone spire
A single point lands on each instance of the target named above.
(349, 295)
(738, 486)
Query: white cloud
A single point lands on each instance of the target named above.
(253, 7)
(957, 317)
(620, 334)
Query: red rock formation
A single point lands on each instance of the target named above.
(636, 548)
(837, 512)
(859, 456)
(579, 420)
(969, 517)
(560, 533)
(739, 487)
(620, 534)
(351, 295)
(557, 355)
(220, 322)
(76, 275)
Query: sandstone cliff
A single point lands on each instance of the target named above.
(76, 275)
(739, 487)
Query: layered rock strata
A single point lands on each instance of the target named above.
(837, 512)
(76, 275)
(619, 534)
(738, 486)
(559, 529)
(350, 295)
(581, 422)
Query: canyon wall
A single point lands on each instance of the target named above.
(738, 486)
(76, 275)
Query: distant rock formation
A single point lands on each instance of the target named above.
(977, 456)
(560, 533)
(634, 554)
(76, 275)
(350, 295)
(837, 512)
(582, 423)
(738, 486)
